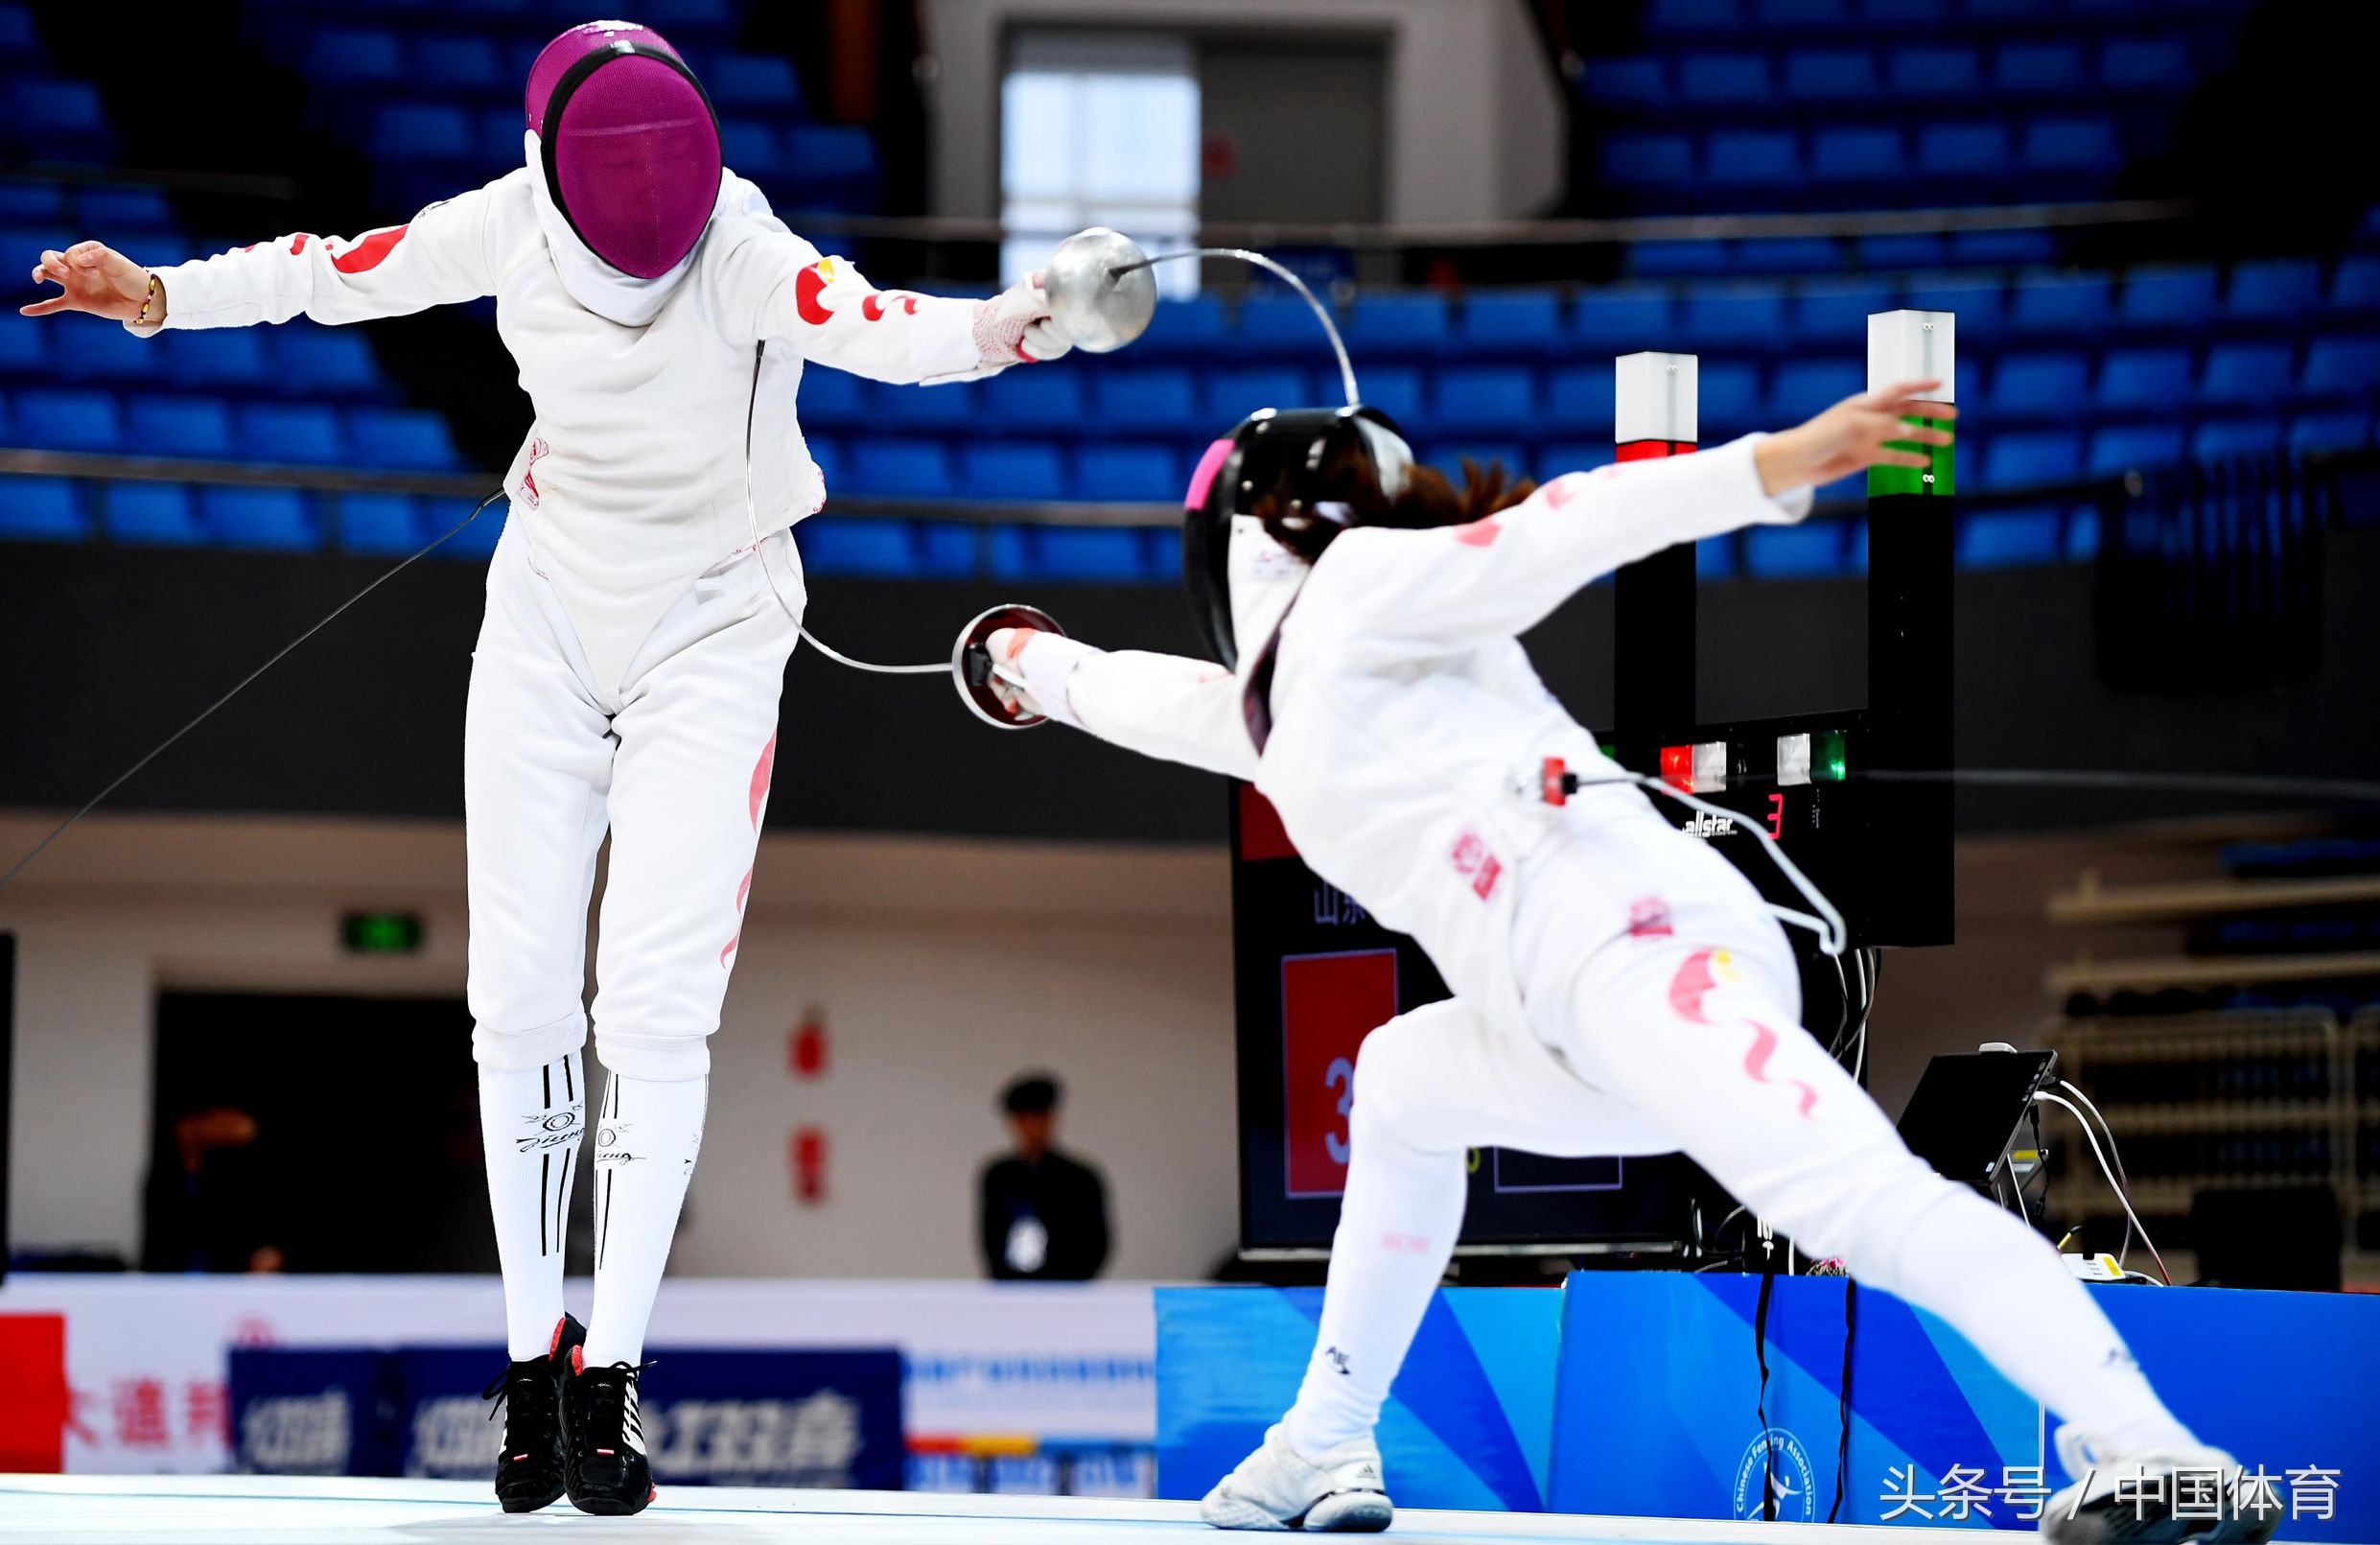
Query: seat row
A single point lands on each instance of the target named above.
(298, 359)
(1938, 75)
(2020, 154)
(1742, 18)
(474, 64)
(291, 434)
(287, 520)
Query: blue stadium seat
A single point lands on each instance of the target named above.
(2003, 249)
(856, 547)
(436, 132)
(711, 19)
(1088, 553)
(1483, 397)
(2275, 289)
(24, 351)
(302, 432)
(42, 509)
(1580, 397)
(1231, 395)
(2132, 447)
(2175, 300)
(1448, 456)
(2040, 69)
(1752, 158)
(498, 132)
(951, 549)
(1510, 321)
(2247, 375)
(2007, 539)
(2008, 10)
(344, 58)
(832, 160)
(1276, 322)
(2070, 309)
(1864, 154)
(2032, 459)
(161, 514)
(1694, 16)
(827, 456)
(475, 542)
(753, 148)
(1978, 308)
(1679, 259)
(1939, 74)
(1046, 402)
(216, 357)
(1191, 326)
(1737, 317)
(1564, 456)
(2330, 432)
(2082, 538)
(1964, 150)
(902, 469)
(386, 525)
(2356, 286)
(126, 209)
(1729, 398)
(1836, 316)
(832, 398)
(1912, 249)
(1028, 470)
(1715, 558)
(2218, 439)
(2040, 388)
(1814, 550)
(1723, 78)
(18, 37)
(2334, 368)
(329, 362)
(1786, 254)
(1647, 160)
(1913, 15)
(1142, 401)
(2072, 145)
(53, 114)
(950, 406)
(1621, 320)
(1409, 323)
(1128, 474)
(107, 353)
(409, 438)
(54, 418)
(1801, 15)
(2145, 64)
(1802, 387)
(2138, 379)
(1829, 74)
(1395, 390)
(1641, 81)
(754, 82)
(32, 203)
(469, 64)
(180, 426)
(279, 519)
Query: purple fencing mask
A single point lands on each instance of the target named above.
(630, 144)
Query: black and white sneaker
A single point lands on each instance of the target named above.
(2167, 1496)
(608, 1472)
(529, 1467)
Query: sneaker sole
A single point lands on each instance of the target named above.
(531, 1504)
(609, 1506)
(1350, 1512)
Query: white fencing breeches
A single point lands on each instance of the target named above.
(674, 759)
(1684, 1035)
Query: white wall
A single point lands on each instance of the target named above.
(1475, 109)
(942, 967)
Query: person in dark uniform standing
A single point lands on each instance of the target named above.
(1044, 1216)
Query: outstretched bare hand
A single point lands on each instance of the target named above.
(96, 278)
(1871, 429)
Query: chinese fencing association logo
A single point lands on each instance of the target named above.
(1777, 1460)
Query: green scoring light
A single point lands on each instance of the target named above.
(381, 933)
(1829, 760)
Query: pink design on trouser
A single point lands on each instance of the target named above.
(761, 772)
(1694, 982)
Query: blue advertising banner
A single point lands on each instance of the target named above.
(310, 1412)
(1468, 1420)
(795, 1418)
(1660, 1406)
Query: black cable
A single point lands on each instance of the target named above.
(1760, 1406)
(208, 712)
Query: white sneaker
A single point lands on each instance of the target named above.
(2153, 1509)
(1275, 1487)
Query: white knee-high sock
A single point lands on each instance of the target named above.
(529, 1123)
(647, 1134)
(2000, 1285)
(1396, 1233)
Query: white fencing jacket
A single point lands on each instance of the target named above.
(632, 480)
(1406, 724)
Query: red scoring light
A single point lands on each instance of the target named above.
(1677, 767)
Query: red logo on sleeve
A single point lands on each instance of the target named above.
(367, 253)
(807, 287)
(1474, 863)
(1480, 533)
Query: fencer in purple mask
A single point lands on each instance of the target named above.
(641, 606)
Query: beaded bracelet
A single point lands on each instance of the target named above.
(147, 300)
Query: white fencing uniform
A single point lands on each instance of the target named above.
(1619, 986)
(629, 665)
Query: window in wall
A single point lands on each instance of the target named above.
(1100, 129)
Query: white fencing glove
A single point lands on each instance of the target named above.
(1015, 327)
(1008, 676)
